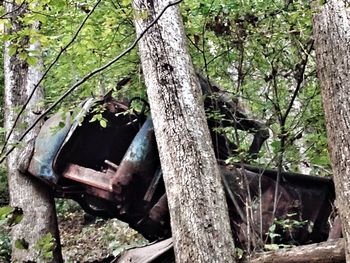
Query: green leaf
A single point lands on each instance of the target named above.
(23, 55)
(320, 159)
(103, 123)
(126, 2)
(15, 217)
(45, 245)
(276, 146)
(48, 255)
(32, 61)
(272, 247)
(5, 211)
(12, 50)
(21, 244)
(239, 252)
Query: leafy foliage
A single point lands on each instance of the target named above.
(4, 195)
(260, 52)
(287, 225)
(9, 216)
(45, 246)
(256, 50)
(65, 206)
(5, 246)
(98, 237)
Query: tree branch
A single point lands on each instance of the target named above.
(90, 75)
(325, 252)
(12, 12)
(300, 80)
(44, 75)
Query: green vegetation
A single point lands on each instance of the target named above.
(260, 52)
(9, 216)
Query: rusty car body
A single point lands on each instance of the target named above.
(114, 172)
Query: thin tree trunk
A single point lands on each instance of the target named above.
(198, 209)
(332, 43)
(39, 216)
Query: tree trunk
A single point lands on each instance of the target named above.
(35, 200)
(332, 44)
(198, 209)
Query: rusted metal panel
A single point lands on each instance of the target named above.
(88, 176)
(308, 201)
(115, 172)
(141, 159)
(153, 186)
(55, 132)
(90, 145)
(160, 210)
(101, 193)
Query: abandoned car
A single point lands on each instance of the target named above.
(114, 172)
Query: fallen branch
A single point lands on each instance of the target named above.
(324, 252)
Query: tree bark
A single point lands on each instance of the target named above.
(325, 252)
(198, 209)
(32, 197)
(332, 44)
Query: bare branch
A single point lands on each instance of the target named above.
(44, 75)
(90, 75)
(12, 12)
(300, 80)
(325, 252)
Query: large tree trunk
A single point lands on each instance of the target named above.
(39, 216)
(198, 209)
(332, 43)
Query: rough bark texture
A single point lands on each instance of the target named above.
(325, 252)
(198, 209)
(332, 43)
(39, 216)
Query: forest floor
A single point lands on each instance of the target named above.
(89, 239)
(83, 238)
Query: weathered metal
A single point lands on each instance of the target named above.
(160, 210)
(304, 200)
(115, 172)
(141, 160)
(88, 176)
(89, 144)
(47, 144)
(53, 135)
(153, 186)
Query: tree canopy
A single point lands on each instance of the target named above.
(259, 51)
